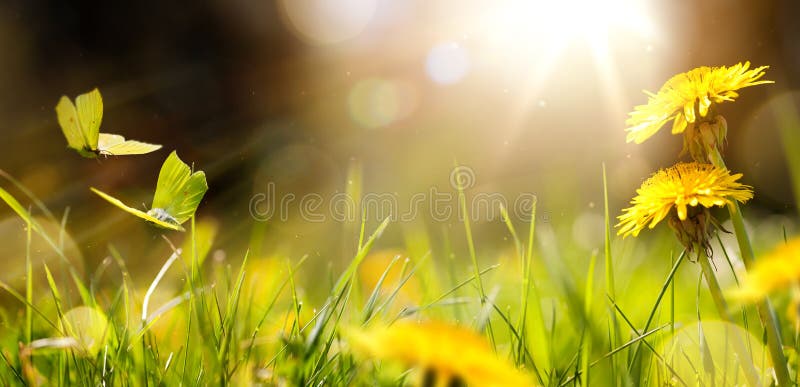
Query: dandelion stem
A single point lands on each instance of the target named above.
(722, 307)
(765, 310)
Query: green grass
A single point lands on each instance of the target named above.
(565, 315)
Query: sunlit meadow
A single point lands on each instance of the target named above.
(386, 192)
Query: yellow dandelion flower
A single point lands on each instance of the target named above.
(775, 270)
(689, 94)
(447, 352)
(682, 186)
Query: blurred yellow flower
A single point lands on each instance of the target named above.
(688, 94)
(263, 276)
(393, 266)
(775, 270)
(448, 353)
(264, 291)
(681, 186)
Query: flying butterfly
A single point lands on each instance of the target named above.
(178, 193)
(80, 123)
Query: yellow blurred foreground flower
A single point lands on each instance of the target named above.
(689, 188)
(773, 271)
(687, 98)
(447, 354)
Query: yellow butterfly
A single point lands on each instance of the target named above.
(80, 123)
(178, 193)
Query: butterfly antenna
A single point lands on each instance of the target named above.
(144, 206)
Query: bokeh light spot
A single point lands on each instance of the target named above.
(327, 22)
(588, 230)
(89, 326)
(375, 103)
(12, 267)
(696, 348)
(447, 63)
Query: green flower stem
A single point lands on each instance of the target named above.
(765, 310)
(745, 359)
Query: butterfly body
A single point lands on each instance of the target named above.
(88, 153)
(80, 123)
(162, 215)
(178, 193)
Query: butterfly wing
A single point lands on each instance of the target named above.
(171, 179)
(90, 114)
(185, 204)
(116, 145)
(139, 213)
(178, 191)
(105, 141)
(70, 126)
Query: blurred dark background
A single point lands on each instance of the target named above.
(296, 92)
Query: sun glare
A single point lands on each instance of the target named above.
(531, 38)
(565, 22)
